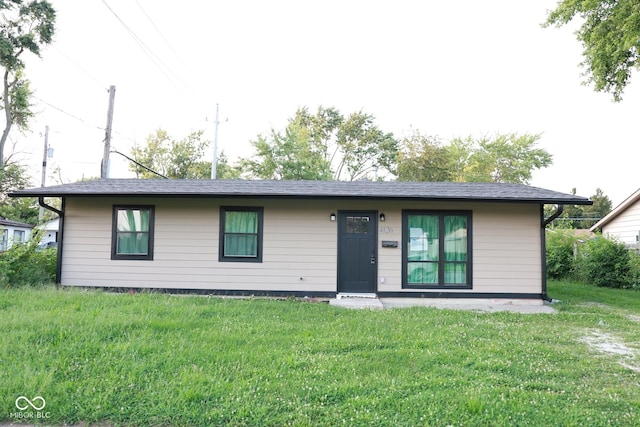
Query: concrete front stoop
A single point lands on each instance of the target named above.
(357, 301)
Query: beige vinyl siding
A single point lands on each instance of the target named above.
(506, 247)
(626, 226)
(299, 246)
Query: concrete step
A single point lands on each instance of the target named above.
(357, 301)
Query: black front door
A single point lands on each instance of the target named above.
(357, 252)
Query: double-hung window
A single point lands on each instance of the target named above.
(437, 249)
(4, 241)
(132, 232)
(240, 234)
(18, 236)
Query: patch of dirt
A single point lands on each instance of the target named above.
(603, 342)
(633, 317)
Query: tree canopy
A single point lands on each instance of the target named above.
(610, 37)
(180, 159)
(13, 176)
(580, 217)
(292, 154)
(500, 158)
(323, 145)
(25, 27)
(424, 158)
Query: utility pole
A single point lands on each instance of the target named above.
(44, 166)
(214, 164)
(104, 169)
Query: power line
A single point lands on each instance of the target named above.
(139, 164)
(83, 121)
(81, 69)
(67, 113)
(125, 137)
(146, 48)
(160, 33)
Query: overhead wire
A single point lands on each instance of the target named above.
(155, 27)
(81, 120)
(190, 94)
(153, 57)
(139, 164)
(95, 80)
(73, 116)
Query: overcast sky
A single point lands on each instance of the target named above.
(453, 68)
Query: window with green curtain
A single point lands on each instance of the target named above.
(241, 234)
(133, 232)
(455, 249)
(422, 249)
(436, 249)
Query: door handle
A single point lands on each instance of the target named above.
(373, 259)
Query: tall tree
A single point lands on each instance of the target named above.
(321, 146)
(460, 151)
(25, 27)
(225, 169)
(13, 176)
(610, 37)
(582, 217)
(501, 158)
(181, 159)
(506, 158)
(292, 154)
(599, 209)
(424, 158)
(363, 148)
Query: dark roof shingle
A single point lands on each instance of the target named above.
(307, 189)
(4, 222)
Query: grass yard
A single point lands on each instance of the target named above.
(152, 359)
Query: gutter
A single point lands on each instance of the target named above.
(555, 215)
(543, 246)
(42, 203)
(60, 213)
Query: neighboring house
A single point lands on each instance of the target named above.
(623, 222)
(306, 238)
(13, 232)
(50, 232)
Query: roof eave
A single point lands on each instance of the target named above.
(544, 201)
(616, 211)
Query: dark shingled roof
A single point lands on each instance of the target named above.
(4, 222)
(478, 191)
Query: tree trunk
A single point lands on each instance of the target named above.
(8, 118)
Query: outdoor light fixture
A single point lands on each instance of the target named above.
(332, 217)
(382, 217)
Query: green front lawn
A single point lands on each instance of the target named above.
(152, 359)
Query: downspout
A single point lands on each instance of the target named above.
(60, 213)
(543, 245)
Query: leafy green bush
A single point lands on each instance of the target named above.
(25, 264)
(634, 271)
(604, 262)
(560, 254)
